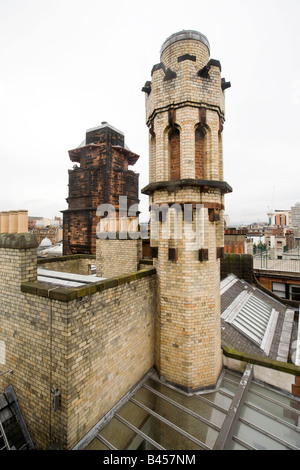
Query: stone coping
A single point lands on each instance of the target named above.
(65, 294)
(18, 241)
(261, 361)
(56, 259)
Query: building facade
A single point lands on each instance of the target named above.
(295, 215)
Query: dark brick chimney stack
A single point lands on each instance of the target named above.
(99, 176)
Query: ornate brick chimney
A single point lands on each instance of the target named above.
(99, 176)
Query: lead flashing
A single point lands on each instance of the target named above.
(183, 35)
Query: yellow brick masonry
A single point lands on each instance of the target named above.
(111, 346)
(187, 88)
(25, 330)
(188, 333)
(93, 349)
(117, 257)
(188, 341)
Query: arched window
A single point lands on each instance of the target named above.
(199, 152)
(174, 154)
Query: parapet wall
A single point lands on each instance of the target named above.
(116, 257)
(77, 264)
(88, 346)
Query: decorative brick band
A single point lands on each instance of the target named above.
(183, 104)
(18, 241)
(175, 184)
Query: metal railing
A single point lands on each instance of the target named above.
(271, 259)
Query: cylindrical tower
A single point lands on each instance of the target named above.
(185, 116)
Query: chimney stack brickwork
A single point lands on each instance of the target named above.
(101, 177)
(14, 221)
(185, 115)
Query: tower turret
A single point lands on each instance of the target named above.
(185, 116)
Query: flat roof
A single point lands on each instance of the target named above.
(65, 279)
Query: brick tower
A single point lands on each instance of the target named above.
(185, 116)
(101, 177)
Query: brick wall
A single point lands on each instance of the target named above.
(188, 334)
(113, 348)
(91, 344)
(77, 264)
(116, 257)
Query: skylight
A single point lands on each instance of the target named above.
(159, 417)
(253, 319)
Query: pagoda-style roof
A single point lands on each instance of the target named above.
(131, 157)
(76, 153)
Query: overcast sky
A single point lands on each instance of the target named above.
(68, 65)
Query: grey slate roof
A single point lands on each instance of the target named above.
(236, 295)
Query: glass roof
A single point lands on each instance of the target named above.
(160, 417)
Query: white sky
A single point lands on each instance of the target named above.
(68, 65)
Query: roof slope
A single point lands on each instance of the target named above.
(254, 322)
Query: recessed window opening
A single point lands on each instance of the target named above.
(199, 152)
(174, 153)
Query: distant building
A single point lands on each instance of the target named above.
(226, 221)
(46, 228)
(235, 241)
(32, 220)
(295, 215)
(280, 218)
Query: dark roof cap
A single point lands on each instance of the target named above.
(185, 34)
